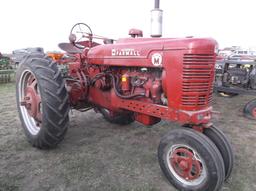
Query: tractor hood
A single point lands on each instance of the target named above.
(143, 51)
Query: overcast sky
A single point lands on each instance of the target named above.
(45, 23)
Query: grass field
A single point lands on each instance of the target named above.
(97, 155)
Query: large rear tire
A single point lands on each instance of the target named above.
(42, 101)
(224, 146)
(191, 161)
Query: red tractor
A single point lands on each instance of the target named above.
(126, 80)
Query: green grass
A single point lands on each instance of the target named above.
(7, 87)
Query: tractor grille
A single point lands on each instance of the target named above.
(197, 84)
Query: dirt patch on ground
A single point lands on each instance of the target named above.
(97, 155)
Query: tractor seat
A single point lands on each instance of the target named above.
(69, 48)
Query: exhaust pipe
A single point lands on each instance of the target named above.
(156, 20)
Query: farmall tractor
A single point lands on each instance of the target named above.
(126, 80)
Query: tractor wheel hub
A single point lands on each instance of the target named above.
(30, 101)
(185, 164)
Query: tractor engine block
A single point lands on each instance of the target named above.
(141, 81)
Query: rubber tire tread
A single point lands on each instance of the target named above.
(224, 146)
(54, 99)
(188, 136)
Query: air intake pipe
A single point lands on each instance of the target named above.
(156, 20)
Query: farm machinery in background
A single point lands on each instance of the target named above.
(126, 80)
(6, 69)
(235, 77)
(19, 54)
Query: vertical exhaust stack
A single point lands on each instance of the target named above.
(156, 20)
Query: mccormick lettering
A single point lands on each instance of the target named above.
(125, 52)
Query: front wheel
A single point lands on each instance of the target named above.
(191, 161)
(224, 146)
(42, 101)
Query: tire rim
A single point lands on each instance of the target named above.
(30, 102)
(186, 165)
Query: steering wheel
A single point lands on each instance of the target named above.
(80, 32)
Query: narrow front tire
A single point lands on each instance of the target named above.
(224, 146)
(191, 161)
